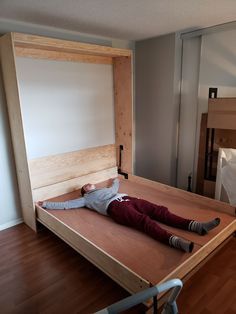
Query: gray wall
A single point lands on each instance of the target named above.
(157, 108)
(10, 211)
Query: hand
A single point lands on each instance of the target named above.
(111, 180)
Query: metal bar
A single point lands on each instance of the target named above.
(140, 297)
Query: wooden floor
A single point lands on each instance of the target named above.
(39, 273)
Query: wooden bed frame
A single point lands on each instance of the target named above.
(60, 177)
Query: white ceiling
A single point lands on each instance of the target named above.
(124, 19)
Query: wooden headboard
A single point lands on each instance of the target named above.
(59, 174)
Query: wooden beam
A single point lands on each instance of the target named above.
(14, 110)
(61, 56)
(46, 43)
(124, 111)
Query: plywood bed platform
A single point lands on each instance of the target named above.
(129, 257)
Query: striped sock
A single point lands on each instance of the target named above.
(203, 227)
(181, 244)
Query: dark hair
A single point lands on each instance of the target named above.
(82, 191)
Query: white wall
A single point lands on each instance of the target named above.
(66, 106)
(10, 212)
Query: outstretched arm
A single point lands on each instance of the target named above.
(114, 187)
(77, 203)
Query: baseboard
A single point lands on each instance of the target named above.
(11, 223)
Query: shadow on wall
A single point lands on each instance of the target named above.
(221, 64)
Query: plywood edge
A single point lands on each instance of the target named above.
(186, 267)
(202, 200)
(222, 101)
(124, 276)
(46, 43)
(67, 186)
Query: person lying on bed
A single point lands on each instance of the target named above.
(135, 212)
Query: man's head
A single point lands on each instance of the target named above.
(87, 188)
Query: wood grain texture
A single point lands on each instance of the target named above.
(212, 289)
(57, 168)
(15, 118)
(222, 113)
(61, 56)
(39, 273)
(46, 43)
(124, 110)
(68, 186)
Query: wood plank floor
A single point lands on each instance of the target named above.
(39, 273)
(213, 288)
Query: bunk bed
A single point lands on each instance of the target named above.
(218, 130)
(129, 257)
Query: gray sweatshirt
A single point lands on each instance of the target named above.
(98, 199)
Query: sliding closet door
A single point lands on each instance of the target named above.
(188, 138)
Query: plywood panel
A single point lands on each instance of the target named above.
(102, 259)
(53, 169)
(125, 245)
(123, 111)
(222, 113)
(13, 102)
(174, 197)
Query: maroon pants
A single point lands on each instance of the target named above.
(143, 215)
